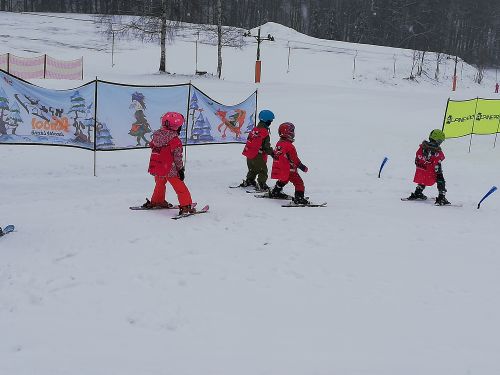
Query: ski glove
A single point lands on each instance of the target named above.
(181, 174)
(303, 168)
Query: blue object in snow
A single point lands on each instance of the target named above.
(492, 190)
(382, 166)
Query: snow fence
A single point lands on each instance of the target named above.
(40, 67)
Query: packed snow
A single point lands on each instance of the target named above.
(367, 285)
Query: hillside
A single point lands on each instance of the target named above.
(368, 285)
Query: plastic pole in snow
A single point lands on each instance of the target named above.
(95, 126)
(492, 190)
(473, 123)
(382, 165)
(187, 124)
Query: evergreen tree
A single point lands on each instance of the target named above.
(15, 117)
(103, 136)
(4, 109)
(201, 131)
(78, 108)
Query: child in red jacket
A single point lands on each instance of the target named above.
(256, 149)
(429, 170)
(285, 165)
(166, 164)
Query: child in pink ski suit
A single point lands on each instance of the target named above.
(166, 164)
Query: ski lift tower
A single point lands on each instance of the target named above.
(258, 63)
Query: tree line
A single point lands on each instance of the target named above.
(468, 29)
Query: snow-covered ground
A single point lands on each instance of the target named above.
(368, 285)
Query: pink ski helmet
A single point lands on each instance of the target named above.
(172, 120)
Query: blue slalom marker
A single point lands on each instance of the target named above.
(492, 190)
(382, 166)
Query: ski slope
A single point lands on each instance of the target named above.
(369, 285)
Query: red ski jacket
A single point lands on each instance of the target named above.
(166, 154)
(426, 161)
(285, 161)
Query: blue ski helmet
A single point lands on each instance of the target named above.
(266, 115)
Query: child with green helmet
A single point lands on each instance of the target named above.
(428, 160)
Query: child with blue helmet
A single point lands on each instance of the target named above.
(256, 149)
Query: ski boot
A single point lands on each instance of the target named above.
(165, 204)
(261, 188)
(148, 205)
(277, 192)
(299, 198)
(247, 183)
(186, 210)
(441, 200)
(417, 195)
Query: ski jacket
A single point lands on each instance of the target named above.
(258, 142)
(166, 153)
(428, 161)
(285, 161)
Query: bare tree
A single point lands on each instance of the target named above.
(219, 38)
(478, 78)
(420, 68)
(414, 62)
(439, 60)
(225, 36)
(153, 25)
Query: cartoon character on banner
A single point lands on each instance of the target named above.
(140, 127)
(34, 107)
(233, 124)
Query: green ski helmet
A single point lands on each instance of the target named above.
(437, 135)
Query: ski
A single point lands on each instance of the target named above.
(291, 204)
(265, 191)
(170, 207)
(202, 211)
(430, 201)
(240, 186)
(267, 196)
(7, 229)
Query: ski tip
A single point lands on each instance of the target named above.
(9, 228)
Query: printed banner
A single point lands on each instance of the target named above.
(474, 116)
(459, 118)
(212, 122)
(33, 115)
(487, 116)
(128, 115)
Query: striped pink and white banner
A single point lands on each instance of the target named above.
(41, 67)
(59, 69)
(27, 67)
(4, 62)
